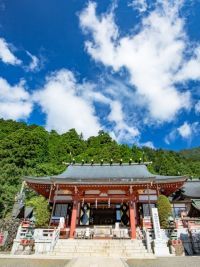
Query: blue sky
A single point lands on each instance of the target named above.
(131, 68)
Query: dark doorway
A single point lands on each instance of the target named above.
(103, 215)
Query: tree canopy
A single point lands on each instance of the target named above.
(31, 150)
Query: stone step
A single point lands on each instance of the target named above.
(111, 241)
(98, 248)
(111, 255)
(101, 248)
(99, 244)
(93, 241)
(100, 251)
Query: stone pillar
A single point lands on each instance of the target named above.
(73, 219)
(132, 220)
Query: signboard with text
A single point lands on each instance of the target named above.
(156, 223)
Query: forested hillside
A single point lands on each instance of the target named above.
(192, 154)
(31, 150)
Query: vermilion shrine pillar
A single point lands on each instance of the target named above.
(132, 220)
(73, 219)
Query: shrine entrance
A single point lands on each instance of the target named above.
(103, 215)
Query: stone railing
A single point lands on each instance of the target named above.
(55, 237)
(147, 240)
(103, 231)
(44, 241)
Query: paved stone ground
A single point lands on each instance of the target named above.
(32, 263)
(98, 262)
(167, 262)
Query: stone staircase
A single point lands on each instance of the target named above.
(73, 248)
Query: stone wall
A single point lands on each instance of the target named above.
(10, 226)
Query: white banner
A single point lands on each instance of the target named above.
(156, 223)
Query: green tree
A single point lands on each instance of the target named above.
(31, 150)
(164, 210)
(40, 209)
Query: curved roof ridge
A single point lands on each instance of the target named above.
(109, 164)
(91, 171)
(109, 172)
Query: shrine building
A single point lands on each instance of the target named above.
(89, 195)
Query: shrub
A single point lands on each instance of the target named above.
(40, 210)
(164, 210)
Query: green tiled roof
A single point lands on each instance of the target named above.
(196, 204)
(192, 189)
(107, 173)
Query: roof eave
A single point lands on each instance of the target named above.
(38, 180)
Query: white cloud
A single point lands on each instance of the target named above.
(148, 144)
(64, 105)
(197, 107)
(155, 56)
(171, 136)
(186, 131)
(122, 131)
(68, 104)
(104, 33)
(191, 68)
(34, 64)
(140, 5)
(15, 102)
(6, 55)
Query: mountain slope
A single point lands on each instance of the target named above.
(31, 150)
(192, 154)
